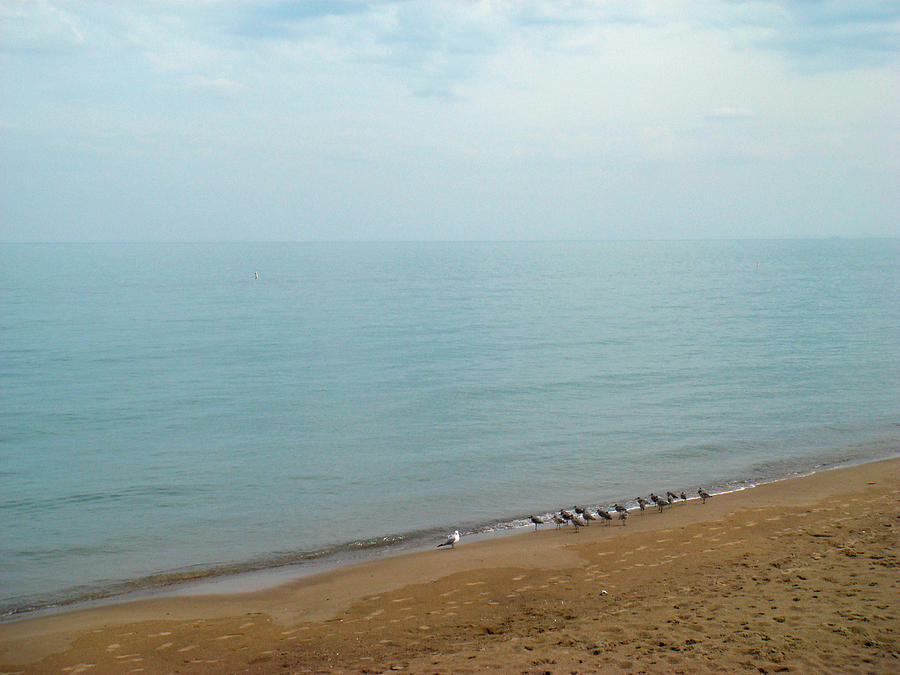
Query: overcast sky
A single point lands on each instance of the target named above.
(174, 120)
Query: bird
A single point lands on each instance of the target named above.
(578, 521)
(537, 520)
(642, 503)
(683, 496)
(579, 509)
(659, 501)
(604, 515)
(623, 515)
(559, 520)
(590, 515)
(671, 496)
(565, 513)
(704, 495)
(451, 540)
(619, 508)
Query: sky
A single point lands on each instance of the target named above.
(346, 120)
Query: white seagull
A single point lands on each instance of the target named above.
(451, 540)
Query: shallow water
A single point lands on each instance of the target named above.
(166, 415)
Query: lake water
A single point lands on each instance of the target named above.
(167, 415)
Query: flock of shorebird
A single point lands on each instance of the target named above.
(581, 516)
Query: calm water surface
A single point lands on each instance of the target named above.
(165, 414)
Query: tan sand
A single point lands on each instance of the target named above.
(795, 576)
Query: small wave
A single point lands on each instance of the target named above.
(362, 549)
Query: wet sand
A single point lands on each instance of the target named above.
(796, 576)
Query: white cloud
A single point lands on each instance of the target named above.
(407, 104)
(730, 113)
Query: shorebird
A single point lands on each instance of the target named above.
(590, 515)
(537, 520)
(565, 513)
(578, 521)
(579, 509)
(451, 540)
(704, 495)
(559, 520)
(659, 501)
(683, 496)
(619, 508)
(642, 503)
(623, 515)
(671, 496)
(604, 514)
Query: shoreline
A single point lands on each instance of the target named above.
(519, 581)
(249, 576)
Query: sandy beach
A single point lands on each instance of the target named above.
(795, 576)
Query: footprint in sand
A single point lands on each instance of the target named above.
(227, 637)
(113, 647)
(475, 583)
(164, 646)
(188, 648)
(518, 578)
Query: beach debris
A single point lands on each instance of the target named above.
(452, 540)
(704, 495)
(642, 503)
(603, 592)
(537, 520)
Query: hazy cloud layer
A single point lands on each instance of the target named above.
(447, 120)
